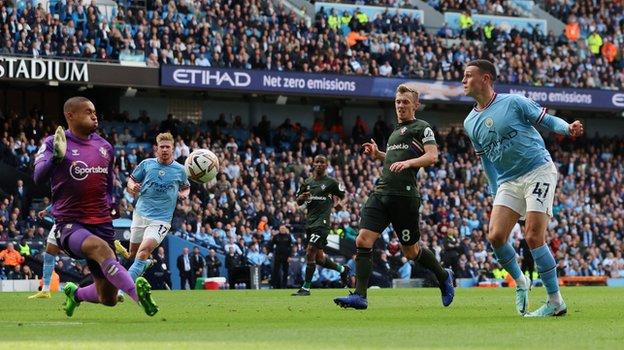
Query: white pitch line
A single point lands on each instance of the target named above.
(46, 323)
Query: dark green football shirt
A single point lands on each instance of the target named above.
(406, 142)
(321, 199)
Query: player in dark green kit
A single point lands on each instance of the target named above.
(317, 193)
(396, 199)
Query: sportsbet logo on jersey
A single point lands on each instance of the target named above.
(79, 170)
(398, 146)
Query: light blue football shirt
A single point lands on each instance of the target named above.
(504, 135)
(160, 184)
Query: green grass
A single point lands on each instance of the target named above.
(401, 318)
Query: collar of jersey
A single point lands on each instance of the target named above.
(487, 105)
(407, 122)
(78, 139)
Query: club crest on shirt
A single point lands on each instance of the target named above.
(103, 152)
(323, 187)
(403, 130)
(161, 173)
(75, 152)
(489, 122)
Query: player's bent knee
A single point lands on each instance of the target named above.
(410, 255)
(143, 254)
(496, 237)
(366, 239)
(361, 241)
(52, 249)
(411, 252)
(535, 240)
(100, 253)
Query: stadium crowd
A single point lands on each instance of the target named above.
(253, 199)
(259, 35)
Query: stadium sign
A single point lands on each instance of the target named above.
(330, 85)
(19, 68)
(42, 70)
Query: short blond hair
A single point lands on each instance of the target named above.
(164, 136)
(405, 88)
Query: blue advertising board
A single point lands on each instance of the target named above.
(330, 85)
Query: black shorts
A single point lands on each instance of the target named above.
(402, 212)
(317, 236)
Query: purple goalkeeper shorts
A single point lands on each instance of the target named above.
(71, 235)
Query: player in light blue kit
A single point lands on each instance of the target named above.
(521, 175)
(158, 182)
(52, 250)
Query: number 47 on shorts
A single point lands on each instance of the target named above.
(541, 189)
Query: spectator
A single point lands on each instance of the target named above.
(281, 245)
(233, 264)
(10, 257)
(198, 264)
(594, 41)
(212, 264)
(184, 267)
(161, 270)
(573, 30)
(21, 199)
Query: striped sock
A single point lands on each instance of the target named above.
(119, 277)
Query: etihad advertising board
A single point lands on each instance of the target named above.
(278, 82)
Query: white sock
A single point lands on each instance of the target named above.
(555, 298)
(45, 288)
(522, 282)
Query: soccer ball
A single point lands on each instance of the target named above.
(202, 165)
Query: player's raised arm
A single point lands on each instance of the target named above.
(185, 187)
(429, 158)
(303, 194)
(51, 152)
(339, 195)
(537, 115)
(184, 192)
(371, 149)
(42, 214)
(135, 179)
(425, 137)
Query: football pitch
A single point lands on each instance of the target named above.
(272, 319)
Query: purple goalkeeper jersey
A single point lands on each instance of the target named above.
(82, 183)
